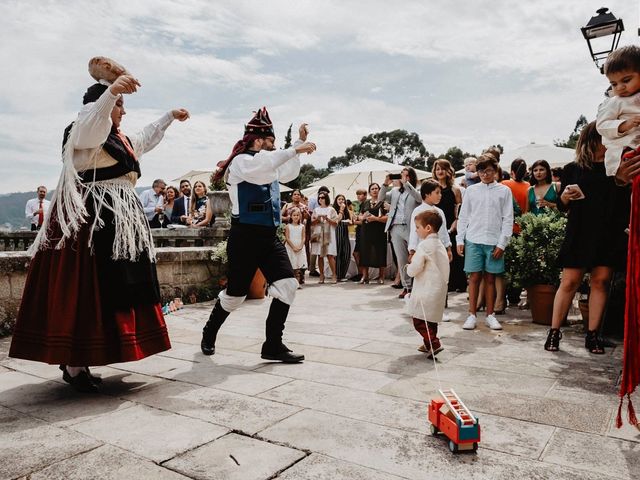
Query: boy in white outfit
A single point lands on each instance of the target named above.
(431, 193)
(618, 118)
(429, 268)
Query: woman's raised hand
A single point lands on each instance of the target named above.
(125, 84)
(628, 169)
(303, 131)
(180, 114)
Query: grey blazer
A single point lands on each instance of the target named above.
(412, 201)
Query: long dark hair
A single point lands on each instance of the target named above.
(545, 165)
(336, 207)
(413, 178)
(519, 169)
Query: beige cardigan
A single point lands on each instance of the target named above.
(429, 268)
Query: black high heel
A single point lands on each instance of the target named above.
(593, 343)
(553, 340)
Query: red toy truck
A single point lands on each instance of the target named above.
(450, 416)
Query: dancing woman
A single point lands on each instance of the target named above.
(92, 295)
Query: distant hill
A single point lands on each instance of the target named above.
(12, 207)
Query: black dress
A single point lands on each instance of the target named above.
(373, 238)
(343, 247)
(595, 233)
(457, 277)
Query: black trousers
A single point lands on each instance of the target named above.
(250, 247)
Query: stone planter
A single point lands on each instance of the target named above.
(221, 206)
(540, 299)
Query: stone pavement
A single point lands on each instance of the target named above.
(356, 409)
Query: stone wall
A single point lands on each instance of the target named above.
(187, 272)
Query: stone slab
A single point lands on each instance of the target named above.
(152, 365)
(618, 458)
(516, 437)
(320, 467)
(334, 356)
(225, 378)
(151, 433)
(38, 369)
(368, 406)
(28, 444)
(406, 454)
(106, 463)
(356, 378)
(235, 457)
(231, 410)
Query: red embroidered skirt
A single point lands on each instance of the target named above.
(84, 309)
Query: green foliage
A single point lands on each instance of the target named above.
(287, 137)
(396, 146)
(573, 137)
(216, 186)
(531, 257)
(308, 174)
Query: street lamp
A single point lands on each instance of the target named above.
(598, 31)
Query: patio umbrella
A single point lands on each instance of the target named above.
(205, 176)
(556, 156)
(359, 175)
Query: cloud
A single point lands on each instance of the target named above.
(491, 72)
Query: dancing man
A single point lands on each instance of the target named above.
(253, 172)
(92, 295)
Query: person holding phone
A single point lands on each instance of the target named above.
(595, 241)
(403, 200)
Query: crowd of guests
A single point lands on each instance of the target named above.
(186, 206)
(473, 221)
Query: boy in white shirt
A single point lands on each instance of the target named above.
(431, 193)
(485, 225)
(618, 118)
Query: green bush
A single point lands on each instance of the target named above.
(532, 257)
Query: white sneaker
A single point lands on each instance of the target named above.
(493, 323)
(470, 323)
(446, 317)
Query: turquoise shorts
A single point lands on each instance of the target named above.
(479, 258)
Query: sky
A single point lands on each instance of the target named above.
(466, 74)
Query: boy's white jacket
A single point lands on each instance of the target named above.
(429, 268)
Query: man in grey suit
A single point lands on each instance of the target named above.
(403, 200)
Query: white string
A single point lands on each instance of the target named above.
(433, 357)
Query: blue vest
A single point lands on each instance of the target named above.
(259, 204)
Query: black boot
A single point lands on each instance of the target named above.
(273, 348)
(210, 330)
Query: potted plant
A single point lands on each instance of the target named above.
(531, 260)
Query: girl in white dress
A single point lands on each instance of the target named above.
(294, 242)
(323, 234)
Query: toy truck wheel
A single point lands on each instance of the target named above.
(475, 447)
(453, 446)
(433, 429)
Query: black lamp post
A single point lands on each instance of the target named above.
(598, 30)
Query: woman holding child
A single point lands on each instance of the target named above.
(595, 240)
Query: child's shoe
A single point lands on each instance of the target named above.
(493, 323)
(470, 323)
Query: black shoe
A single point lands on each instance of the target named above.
(500, 312)
(81, 382)
(210, 330)
(314, 273)
(396, 285)
(94, 379)
(284, 357)
(356, 278)
(404, 293)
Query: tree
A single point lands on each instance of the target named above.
(308, 175)
(287, 138)
(573, 137)
(397, 146)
